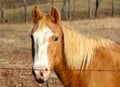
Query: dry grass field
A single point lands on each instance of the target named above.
(15, 49)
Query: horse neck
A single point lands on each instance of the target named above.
(63, 72)
(67, 76)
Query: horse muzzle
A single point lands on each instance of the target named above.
(41, 74)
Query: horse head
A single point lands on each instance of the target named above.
(46, 43)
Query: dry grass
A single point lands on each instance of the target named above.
(14, 39)
(107, 23)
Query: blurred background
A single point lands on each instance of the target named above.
(20, 10)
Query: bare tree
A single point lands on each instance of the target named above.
(25, 7)
(73, 7)
(2, 14)
(63, 9)
(2, 10)
(89, 9)
(52, 2)
(113, 9)
(97, 5)
(14, 7)
(69, 9)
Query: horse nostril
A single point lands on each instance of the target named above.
(46, 69)
(41, 73)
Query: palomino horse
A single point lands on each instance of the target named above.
(78, 61)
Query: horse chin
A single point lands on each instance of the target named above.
(42, 80)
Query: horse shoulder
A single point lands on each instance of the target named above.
(106, 63)
(116, 56)
(106, 58)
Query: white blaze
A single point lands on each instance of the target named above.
(41, 43)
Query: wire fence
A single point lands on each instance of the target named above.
(22, 77)
(13, 11)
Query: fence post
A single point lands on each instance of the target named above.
(25, 7)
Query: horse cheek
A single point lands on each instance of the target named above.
(51, 54)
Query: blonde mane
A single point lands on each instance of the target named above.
(80, 50)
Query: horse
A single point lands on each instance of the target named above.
(78, 60)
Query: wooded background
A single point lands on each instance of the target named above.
(13, 11)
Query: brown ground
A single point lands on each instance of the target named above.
(15, 49)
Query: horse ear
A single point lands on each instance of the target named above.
(55, 15)
(36, 14)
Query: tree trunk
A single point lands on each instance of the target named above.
(73, 7)
(113, 9)
(69, 9)
(14, 8)
(2, 15)
(2, 10)
(25, 7)
(97, 5)
(52, 3)
(63, 9)
(89, 9)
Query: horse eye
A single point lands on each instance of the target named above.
(56, 39)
